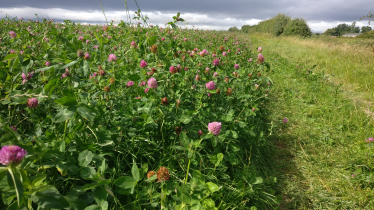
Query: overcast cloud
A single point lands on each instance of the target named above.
(205, 14)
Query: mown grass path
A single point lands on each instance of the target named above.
(323, 161)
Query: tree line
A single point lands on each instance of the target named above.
(344, 28)
(278, 25)
(283, 24)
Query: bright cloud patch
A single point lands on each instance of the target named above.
(156, 18)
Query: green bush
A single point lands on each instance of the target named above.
(297, 27)
(234, 29)
(281, 21)
(369, 34)
(246, 28)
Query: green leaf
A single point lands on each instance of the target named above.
(50, 198)
(134, 77)
(185, 119)
(38, 180)
(182, 195)
(184, 140)
(85, 158)
(154, 177)
(229, 116)
(152, 40)
(197, 178)
(93, 207)
(214, 141)
(144, 168)
(69, 64)
(17, 185)
(89, 173)
(234, 134)
(67, 101)
(62, 169)
(65, 114)
(3, 172)
(75, 202)
(208, 204)
(212, 187)
(219, 159)
(100, 195)
(178, 148)
(48, 88)
(86, 68)
(10, 56)
(257, 180)
(86, 112)
(125, 182)
(213, 159)
(13, 63)
(135, 172)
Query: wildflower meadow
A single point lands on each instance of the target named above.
(131, 116)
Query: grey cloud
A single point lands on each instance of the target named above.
(311, 10)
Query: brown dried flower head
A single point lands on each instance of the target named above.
(80, 53)
(259, 74)
(154, 48)
(218, 91)
(106, 89)
(229, 92)
(112, 80)
(150, 174)
(101, 72)
(178, 129)
(164, 101)
(163, 174)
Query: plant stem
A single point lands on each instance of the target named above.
(66, 123)
(188, 169)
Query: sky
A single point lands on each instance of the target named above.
(204, 14)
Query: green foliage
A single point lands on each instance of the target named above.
(319, 152)
(246, 28)
(95, 140)
(368, 34)
(342, 29)
(330, 32)
(281, 21)
(233, 29)
(278, 25)
(365, 29)
(297, 27)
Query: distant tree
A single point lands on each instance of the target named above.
(297, 27)
(342, 29)
(280, 21)
(330, 32)
(245, 28)
(354, 28)
(365, 29)
(234, 29)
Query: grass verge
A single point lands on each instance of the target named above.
(322, 158)
(349, 62)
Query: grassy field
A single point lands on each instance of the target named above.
(323, 161)
(347, 61)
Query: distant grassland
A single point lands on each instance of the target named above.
(349, 61)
